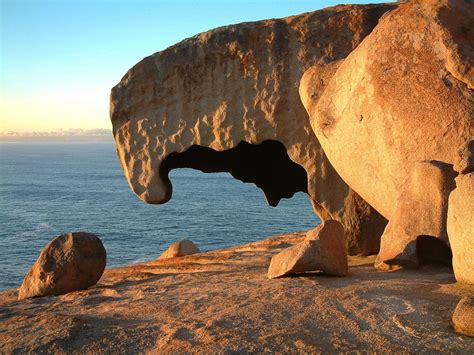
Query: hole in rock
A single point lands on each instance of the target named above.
(432, 250)
(267, 165)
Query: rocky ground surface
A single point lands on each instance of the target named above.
(222, 301)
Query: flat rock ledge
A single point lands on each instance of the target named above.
(222, 301)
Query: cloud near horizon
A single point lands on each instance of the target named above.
(61, 58)
(72, 132)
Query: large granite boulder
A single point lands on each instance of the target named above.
(180, 248)
(393, 115)
(323, 249)
(70, 262)
(461, 227)
(227, 100)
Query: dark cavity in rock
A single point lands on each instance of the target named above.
(432, 250)
(267, 165)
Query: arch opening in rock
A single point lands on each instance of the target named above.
(267, 165)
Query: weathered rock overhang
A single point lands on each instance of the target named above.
(240, 84)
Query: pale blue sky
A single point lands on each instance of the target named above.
(60, 58)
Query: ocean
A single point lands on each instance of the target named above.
(50, 188)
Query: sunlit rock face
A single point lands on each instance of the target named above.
(394, 114)
(461, 227)
(180, 248)
(240, 84)
(70, 262)
(323, 249)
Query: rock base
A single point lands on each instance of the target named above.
(222, 302)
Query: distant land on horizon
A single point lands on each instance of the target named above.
(61, 135)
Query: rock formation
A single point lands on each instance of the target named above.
(461, 227)
(420, 213)
(463, 317)
(227, 100)
(180, 248)
(323, 249)
(70, 262)
(393, 114)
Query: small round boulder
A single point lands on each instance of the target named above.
(181, 248)
(70, 262)
(463, 317)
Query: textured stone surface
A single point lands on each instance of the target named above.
(180, 248)
(240, 84)
(70, 262)
(464, 162)
(222, 302)
(323, 249)
(463, 317)
(421, 210)
(461, 227)
(403, 97)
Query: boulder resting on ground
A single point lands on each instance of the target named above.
(323, 249)
(227, 100)
(70, 262)
(403, 97)
(463, 317)
(181, 248)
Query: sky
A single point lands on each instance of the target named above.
(60, 58)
